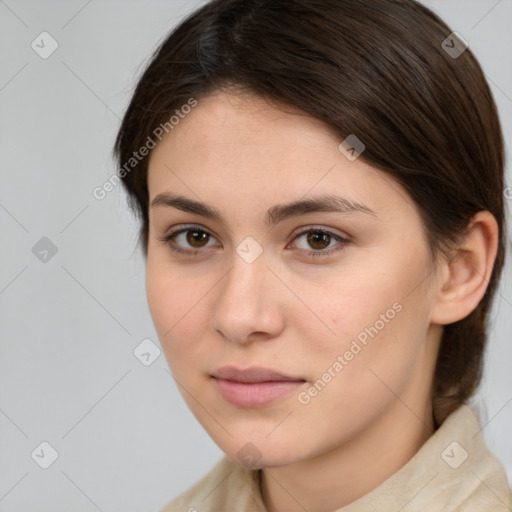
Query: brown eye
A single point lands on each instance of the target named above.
(197, 238)
(318, 242)
(189, 240)
(318, 239)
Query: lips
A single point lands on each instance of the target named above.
(254, 387)
(253, 375)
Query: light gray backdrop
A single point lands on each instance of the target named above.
(72, 296)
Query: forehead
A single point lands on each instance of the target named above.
(245, 148)
(220, 120)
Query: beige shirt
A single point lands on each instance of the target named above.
(453, 471)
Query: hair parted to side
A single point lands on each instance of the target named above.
(373, 68)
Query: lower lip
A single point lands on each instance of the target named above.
(255, 394)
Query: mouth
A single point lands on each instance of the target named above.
(253, 387)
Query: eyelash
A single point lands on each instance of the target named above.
(169, 239)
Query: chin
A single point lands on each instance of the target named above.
(256, 452)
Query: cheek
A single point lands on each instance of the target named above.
(379, 330)
(160, 292)
(356, 305)
(176, 307)
(379, 344)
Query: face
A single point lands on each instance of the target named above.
(329, 300)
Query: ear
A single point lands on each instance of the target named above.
(465, 276)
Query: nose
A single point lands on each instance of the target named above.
(249, 303)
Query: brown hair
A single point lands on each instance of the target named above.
(373, 68)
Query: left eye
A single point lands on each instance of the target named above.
(320, 239)
(197, 238)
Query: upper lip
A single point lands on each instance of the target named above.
(252, 374)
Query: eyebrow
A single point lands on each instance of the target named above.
(275, 214)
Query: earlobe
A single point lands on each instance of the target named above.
(466, 275)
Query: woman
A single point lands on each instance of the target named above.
(320, 188)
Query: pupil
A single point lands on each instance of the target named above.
(194, 237)
(318, 237)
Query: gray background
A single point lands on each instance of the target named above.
(69, 326)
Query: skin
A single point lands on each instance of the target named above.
(295, 313)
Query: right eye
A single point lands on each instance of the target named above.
(196, 237)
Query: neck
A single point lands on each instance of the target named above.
(339, 477)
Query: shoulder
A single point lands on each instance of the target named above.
(227, 486)
(454, 471)
(471, 468)
(478, 475)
